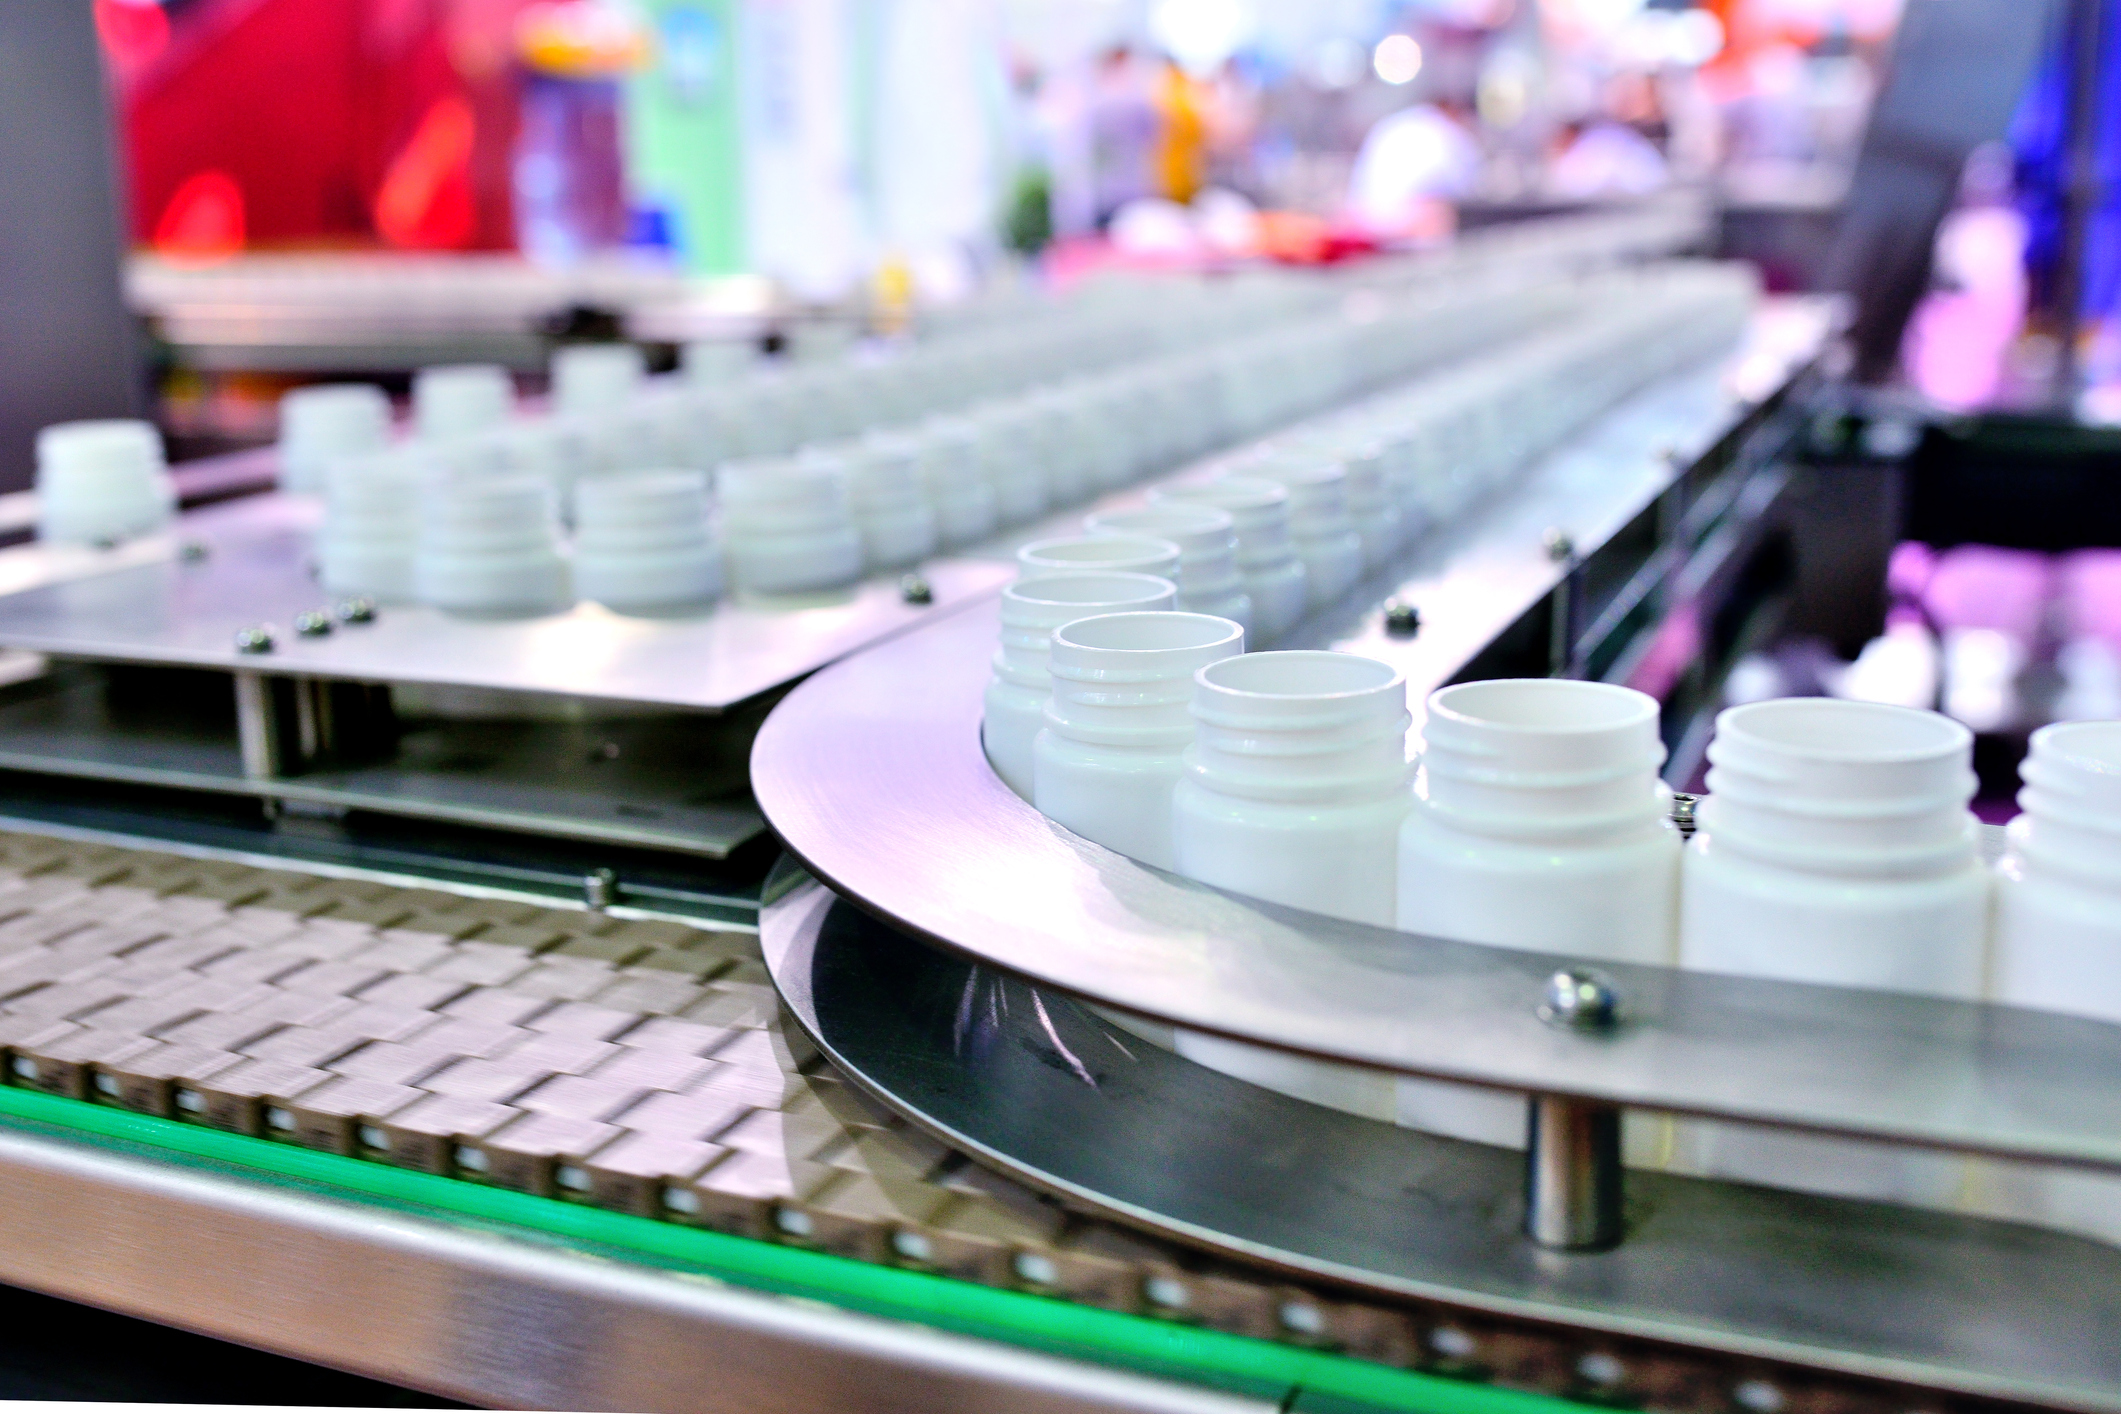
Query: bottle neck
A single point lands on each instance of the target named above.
(2062, 835)
(1863, 836)
(1324, 763)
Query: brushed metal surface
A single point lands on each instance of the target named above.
(493, 1317)
(648, 781)
(1018, 1075)
(872, 774)
(139, 603)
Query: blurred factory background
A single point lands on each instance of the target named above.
(678, 167)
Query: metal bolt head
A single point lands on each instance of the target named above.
(1602, 1369)
(1758, 1396)
(600, 888)
(1580, 999)
(191, 552)
(915, 589)
(1559, 546)
(358, 609)
(1402, 619)
(255, 639)
(313, 623)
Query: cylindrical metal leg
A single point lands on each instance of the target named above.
(1572, 1174)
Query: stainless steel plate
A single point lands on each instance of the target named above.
(153, 607)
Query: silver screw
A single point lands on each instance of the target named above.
(600, 888)
(1683, 807)
(255, 639)
(360, 609)
(1402, 619)
(313, 623)
(1452, 1343)
(1581, 1000)
(1602, 1369)
(914, 589)
(1759, 1396)
(1560, 548)
(191, 552)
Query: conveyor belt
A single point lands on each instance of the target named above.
(569, 1074)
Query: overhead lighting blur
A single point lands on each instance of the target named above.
(1202, 34)
(1697, 37)
(1656, 38)
(1397, 59)
(1338, 63)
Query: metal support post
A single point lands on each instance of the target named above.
(1572, 1175)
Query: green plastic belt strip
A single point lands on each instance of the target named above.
(1213, 1357)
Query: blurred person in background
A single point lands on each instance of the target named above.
(1413, 164)
(1122, 125)
(1604, 158)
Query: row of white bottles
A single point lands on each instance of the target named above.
(400, 531)
(1835, 847)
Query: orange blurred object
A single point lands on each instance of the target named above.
(203, 221)
(425, 201)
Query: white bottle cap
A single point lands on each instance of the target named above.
(595, 377)
(489, 546)
(102, 480)
(328, 420)
(456, 400)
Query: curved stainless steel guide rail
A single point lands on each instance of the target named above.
(1020, 1075)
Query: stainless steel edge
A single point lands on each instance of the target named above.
(872, 774)
(493, 1319)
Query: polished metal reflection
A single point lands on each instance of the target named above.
(1032, 1082)
(478, 1315)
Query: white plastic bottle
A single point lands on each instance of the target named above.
(1015, 702)
(1274, 578)
(1295, 791)
(1539, 822)
(490, 546)
(593, 378)
(1013, 462)
(459, 399)
(892, 514)
(2058, 929)
(946, 459)
(371, 522)
(101, 481)
(1835, 846)
(2058, 889)
(1143, 554)
(328, 420)
(1297, 782)
(786, 526)
(1118, 724)
(711, 363)
(1374, 504)
(1207, 554)
(642, 542)
(1319, 524)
